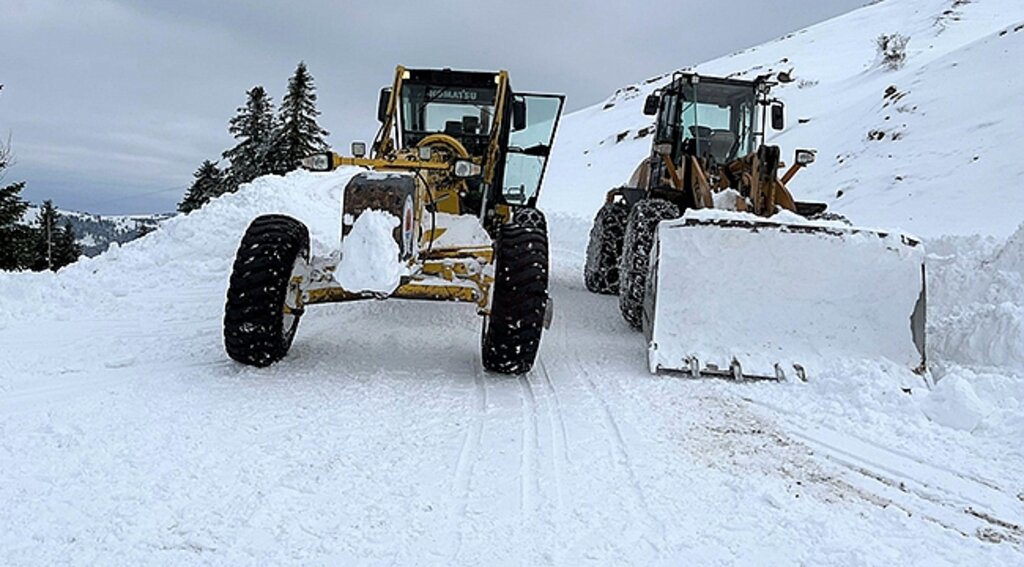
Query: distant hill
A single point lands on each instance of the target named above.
(96, 232)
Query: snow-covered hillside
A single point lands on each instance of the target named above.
(128, 437)
(95, 233)
(931, 148)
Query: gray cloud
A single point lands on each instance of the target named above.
(113, 104)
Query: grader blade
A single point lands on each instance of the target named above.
(744, 297)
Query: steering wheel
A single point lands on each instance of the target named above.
(452, 190)
(445, 143)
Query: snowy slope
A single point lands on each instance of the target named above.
(948, 162)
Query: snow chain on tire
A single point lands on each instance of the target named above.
(512, 331)
(636, 251)
(532, 218)
(601, 273)
(255, 331)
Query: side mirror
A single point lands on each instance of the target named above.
(651, 105)
(778, 117)
(518, 115)
(382, 104)
(805, 157)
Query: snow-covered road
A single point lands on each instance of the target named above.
(128, 437)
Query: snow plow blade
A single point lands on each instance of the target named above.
(744, 297)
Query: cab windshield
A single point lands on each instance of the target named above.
(718, 120)
(465, 113)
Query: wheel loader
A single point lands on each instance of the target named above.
(724, 271)
(456, 168)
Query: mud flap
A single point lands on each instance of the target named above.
(738, 296)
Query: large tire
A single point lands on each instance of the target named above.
(601, 272)
(636, 251)
(257, 329)
(512, 331)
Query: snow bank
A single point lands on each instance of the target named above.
(977, 296)
(187, 251)
(370, 256)
(976, 334)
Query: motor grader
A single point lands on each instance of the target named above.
(458, 163)
(725, 272)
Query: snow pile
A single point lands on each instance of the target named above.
(794, 299)
(977, 296)
(185, 252)
(457, 231)
(930, 148)
(976, 333)
(955, 403)
(370, 256)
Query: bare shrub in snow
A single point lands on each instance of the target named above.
(892, 47)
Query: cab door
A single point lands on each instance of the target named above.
(529, 148)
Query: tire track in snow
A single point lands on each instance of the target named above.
(621, 455)
(559, 443)
(461, 484)
(528, 449)
(559, 453)
(956, 501)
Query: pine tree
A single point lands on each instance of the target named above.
(298, 135)
(208, 184)
(15, 237)
(12, 208)
(55, 245)
(253, 127)
(65, 247)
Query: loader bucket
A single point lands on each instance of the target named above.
(740, 296)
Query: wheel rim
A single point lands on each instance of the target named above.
(289, 319)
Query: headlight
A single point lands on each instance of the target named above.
(358, 149)
(465, 168)
(425, 153)
(805, 157)
(318, 162)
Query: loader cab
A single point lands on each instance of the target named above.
(716, 120)
(505, 135)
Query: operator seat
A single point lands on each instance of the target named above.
(720, 145)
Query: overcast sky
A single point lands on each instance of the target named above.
(111, 105)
